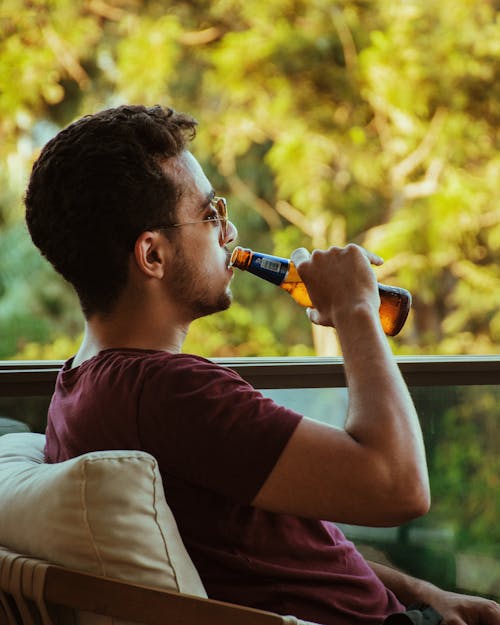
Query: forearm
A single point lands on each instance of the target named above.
(407, 589)
(455, 609)
(382, 448)
(381, 413)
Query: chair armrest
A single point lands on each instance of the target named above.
(142, 604)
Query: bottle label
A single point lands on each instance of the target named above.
(270, 268)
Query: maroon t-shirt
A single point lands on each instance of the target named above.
(216, 439)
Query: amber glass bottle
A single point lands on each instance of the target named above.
(395, 302)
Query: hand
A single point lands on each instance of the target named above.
(459, 609)
(456, 609)
(338, 279)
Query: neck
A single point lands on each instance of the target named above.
(134, 326)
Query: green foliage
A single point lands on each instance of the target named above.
(60, 349)
(235, 333)
(35, 305)
(323, 122)
(465, 451)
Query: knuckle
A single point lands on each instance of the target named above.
(492, 607)
(331, 252)
(317, 254)
(356, 249)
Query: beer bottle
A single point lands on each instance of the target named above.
(395, 302)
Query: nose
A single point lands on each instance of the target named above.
(231, 233)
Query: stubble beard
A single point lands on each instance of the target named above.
(192, 293)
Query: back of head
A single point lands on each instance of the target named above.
(96, 186)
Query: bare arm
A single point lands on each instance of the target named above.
(456, 609)
(374, 471)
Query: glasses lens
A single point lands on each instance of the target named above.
(221, 207)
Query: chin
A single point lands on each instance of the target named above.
(228, 300)
(225, 300)
(205, 308)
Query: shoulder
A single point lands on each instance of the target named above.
(192, 370)
(141, 363)
(193, 385)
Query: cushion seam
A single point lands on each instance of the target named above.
(165, 542)
(83, 494)
(134, 455)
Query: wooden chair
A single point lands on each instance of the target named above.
(34, 592)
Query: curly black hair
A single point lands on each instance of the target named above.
(96, 186)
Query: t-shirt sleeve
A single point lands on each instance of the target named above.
(209, 427)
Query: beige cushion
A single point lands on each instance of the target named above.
(104, 513)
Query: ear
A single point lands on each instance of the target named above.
(150, 253)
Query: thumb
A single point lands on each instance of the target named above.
(313, 315)
(317, 318)
(299, 256)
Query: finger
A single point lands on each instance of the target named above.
(300, 255)
(316, 318)
(313, 315)
(490, 613)
(374, 259)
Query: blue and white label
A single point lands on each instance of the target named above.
(270, 268)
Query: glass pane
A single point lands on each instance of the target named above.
(20, 413)
(457, 544)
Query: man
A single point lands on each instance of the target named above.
(124, 212)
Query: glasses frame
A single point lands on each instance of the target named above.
(219, 204)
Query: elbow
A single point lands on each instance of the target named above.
(419, 504)
(425, 497)
(406, 495)
(420, 490)
(414, 499)
(403, 509)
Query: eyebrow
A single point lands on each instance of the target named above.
(208, 198)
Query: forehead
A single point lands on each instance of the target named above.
(190, 178)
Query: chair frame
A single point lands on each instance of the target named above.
(32, 592)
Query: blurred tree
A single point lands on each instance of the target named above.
(474, 419)
(324, 122)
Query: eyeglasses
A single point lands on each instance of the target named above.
(219, 204)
